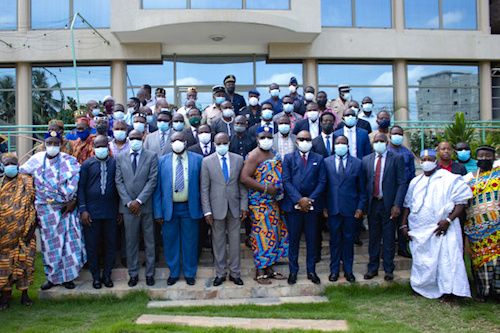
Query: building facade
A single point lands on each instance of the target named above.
(399, 52)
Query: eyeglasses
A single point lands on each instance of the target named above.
(304, 139)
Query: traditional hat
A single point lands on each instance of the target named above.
(264, 129)
(108, 98)
(160, 91)
(192, 89)
(80, 113)
(56, 122)
(428, 152)
(486, 147)
(52, 134)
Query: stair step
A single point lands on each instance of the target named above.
(239, 301)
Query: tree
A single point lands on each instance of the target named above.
(44, 106)
(8, 99)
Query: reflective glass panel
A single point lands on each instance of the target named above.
(373, 13)
(96, 12)
(8, 17)
(383, 98)
(422, 14)
(355, 74)
(220, 4)
(268, 4)
(164, 4)
(88, 76)
(277, 73)
(152, 74)
(49, 14)
(442, 75)
(336, 13)
(459, 14)
(8, 95)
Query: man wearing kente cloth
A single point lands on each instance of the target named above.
(58, 126)
(430, 222)
(56, 176)
(261, 173)
(17, 229)
(83, 147)
(482, 226)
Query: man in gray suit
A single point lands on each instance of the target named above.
(159, 141)
(224, 201)
(136, 179)
(284, 140)
(225, 124)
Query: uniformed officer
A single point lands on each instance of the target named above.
(214, 111)
(237, 100)
(252, 111)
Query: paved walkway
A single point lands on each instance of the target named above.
(239, 301)
(246, 323)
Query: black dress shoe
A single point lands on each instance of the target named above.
(314, 278)
(292, 278)
(358, 241)
(171, 281)
(69, 285)
(370, 275)
(389, 276)
(218, 281)
(150, 281)
(133, 281)
(97, 284)
(190, 281)
(404, 253)
(349, 277)
(237, 281)
(47, 285)
(106, 280)
(333, 277)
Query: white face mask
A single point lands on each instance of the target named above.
(292, 89)
(53, 150)
(346, 95)
(309, 96)
(428, 166)
(204, 137)
(313, 115)
(228, 113)
(178, 146)
(130, 110)
(304, 146)
(265, 143)
(253, 101)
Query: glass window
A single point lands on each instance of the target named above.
(8, 95)
(268, 73)
(88, 76)
(268, 4)
(437, 92)
(8, 20)
(155, 75)
(96, 12)
(373, 13)
(49, 14)
(425, 14)
(220, 4)
(336, 13)
(164, 4)
(459, 14)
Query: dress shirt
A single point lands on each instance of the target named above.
(337, 161)
(228, 125)
(228, 163)
(372, 119)
(205, 148)
(285, 144)
(302, 154)
(314, 128)
(194, 130)
(382, 167)
(114, 148)
(350, 133)
(242, 146)
(181, 196)
(332, 146)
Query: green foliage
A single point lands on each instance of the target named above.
(8, 99)
(430, 141)
(45, 107)
(459, 131)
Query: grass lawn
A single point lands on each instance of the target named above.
(366, 309)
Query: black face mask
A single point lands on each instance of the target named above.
(322, 102)
(230, 89)
(327, 128)
(101, 129)
(485, 164)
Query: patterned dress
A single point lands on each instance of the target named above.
(83, 150)
(269, 235)
(56, 182)
(483, 230)
(17, 218)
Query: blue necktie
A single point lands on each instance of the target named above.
(224, 168)
(341, 167)
(179, 176)
(328, 146)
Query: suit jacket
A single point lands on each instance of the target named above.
(191, 140)
(363, 146)
(152, 143)
(319, 146)
(345, 193)
(163, 195)
(219, 125)
(140, 185)
(361, 123)
(303, 125)
(456, 168)
(217, 195)
(393, 180)
(301, 180)
(197, 149)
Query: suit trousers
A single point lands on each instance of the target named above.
(133, 226)
(106, 228)
(381, 227)
(181, 234)
(296, 222)
(232, 225)
(341, 242)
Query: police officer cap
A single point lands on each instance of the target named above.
(229, 78)
(218, 88)
(253, 91)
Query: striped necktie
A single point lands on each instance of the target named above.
(179, 175)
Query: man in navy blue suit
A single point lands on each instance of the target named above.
(345, 202)
(304, 181)
(385, 190)
(177, 207)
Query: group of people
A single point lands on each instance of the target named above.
(289, 165)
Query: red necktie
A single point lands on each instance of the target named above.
(376, 185)
(304, 159)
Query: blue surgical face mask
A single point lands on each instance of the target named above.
(96, 112)
(239, 129)
(219, 100)
(136, 145)
(222, 149)
(120, 135)
(275, 92)
(139, 126)
(11, 170)
(463, 155)
(385, 123)
(178, 126)
(350, 121)
(149, 119)
(83, 135)
(368, 107)
(284, 128)
(341, 149)
(396, 139)
(163, 126)
(101, 153)
(119, 115)
(380, 147)
(288, 108)
(267, 114)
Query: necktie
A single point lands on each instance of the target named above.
(195, 132)
(134, 163)
(179, 175)
(304, 159)
(328, 146)
(205, 150)
(162, 141)
(224, 168)
(376, 184)
(341, 167)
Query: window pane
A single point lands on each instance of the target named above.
(49, 14)
(88, 76)
(8, 18)
(373, 13)
(221, 4)
(336, 13)
(96, 12)
(268, 4)
(459, 14)
(277, 73)
(355, 74)
(442, 75)
(154, 75)
(8, 95)
(422, 14)
(164, 4)
(383, 98)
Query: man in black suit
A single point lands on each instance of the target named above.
(445, 151)
(191, 133)
(311, 124)
(361, 123)
(385, 189)
(205, 146)
(323, 144)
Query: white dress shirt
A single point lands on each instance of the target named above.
(382, 165)
(372, 119)
(314, 128)
(350, 133)
(325, 140)
(208, 147)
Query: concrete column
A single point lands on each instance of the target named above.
(119, 81)
(485, 93)
(310, 69)
(23, 16)
(398, 15)
(24, 113)
(483, 16)
(401, 105)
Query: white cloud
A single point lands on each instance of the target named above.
(282, 78)
(415, 74)
(384, 79)
(449, 19)
(187, 81)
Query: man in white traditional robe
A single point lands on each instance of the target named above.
(430, 222)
